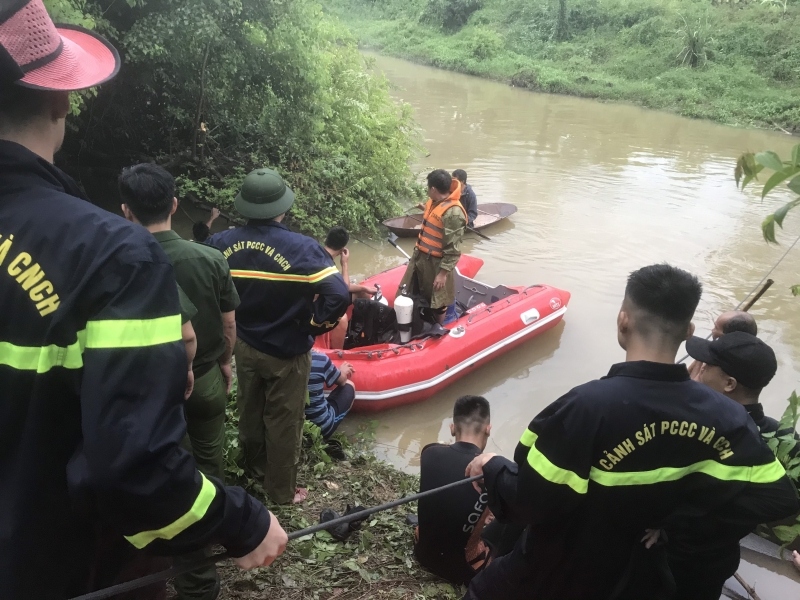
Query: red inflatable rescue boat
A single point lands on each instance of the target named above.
(493, 320)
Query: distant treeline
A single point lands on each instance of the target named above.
(733, 61)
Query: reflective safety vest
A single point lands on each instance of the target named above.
(431, 238)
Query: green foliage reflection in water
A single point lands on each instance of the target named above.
(746, 58)
(214, 88)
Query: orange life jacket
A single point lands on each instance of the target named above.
(431, 237)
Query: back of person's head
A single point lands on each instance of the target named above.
(200, 231)
(471, 415)
(461, 175)
(737, 364)
(21, 106)
(337, 238)
(148, 190)
(660, 301)
(440, 180)
(740, 321)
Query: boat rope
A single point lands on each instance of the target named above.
(758, 285)
(141, 582)
(188, 216)
(359, 240)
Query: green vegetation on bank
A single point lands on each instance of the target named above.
(214, 88)
(734, 62)
(786, 446)
(376, 562)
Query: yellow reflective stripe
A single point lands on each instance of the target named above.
(42, 359)
(267, 276)
(197, 512)
(527, 439)
(542, 465)
(327, 324)
(133, 333)
(768, 473)
(758, 474)
(98, 334)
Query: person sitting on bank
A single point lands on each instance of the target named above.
(336, 245)
(327, 413)
(656, 449)
(738, 365)
(201, 231)
(448, 521)
(727, 322)
(430, 270)
(468, 198)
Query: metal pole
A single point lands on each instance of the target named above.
(141, 582)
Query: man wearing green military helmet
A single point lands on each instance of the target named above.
(290, 292)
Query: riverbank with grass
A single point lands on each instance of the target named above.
(377, 561)
(733, 62)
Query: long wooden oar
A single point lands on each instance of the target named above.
(755, 298)
(468, 228)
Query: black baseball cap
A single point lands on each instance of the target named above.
(744, 357)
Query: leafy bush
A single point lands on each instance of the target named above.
(750, 165)
(215, 88)
(696, 43)
(648, 32)
(449, 15)
(484, 43)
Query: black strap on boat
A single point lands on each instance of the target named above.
(141, 582)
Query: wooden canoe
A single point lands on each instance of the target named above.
(488, 214)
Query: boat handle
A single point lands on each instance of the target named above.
(476, 290)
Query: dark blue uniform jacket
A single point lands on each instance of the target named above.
(92, 375)
(278, 274)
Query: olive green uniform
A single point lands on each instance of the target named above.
(425, 267)
(204, 276)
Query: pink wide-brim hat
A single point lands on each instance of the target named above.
(63, 58)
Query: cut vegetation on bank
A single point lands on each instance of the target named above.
(375, 562)
(733, 62)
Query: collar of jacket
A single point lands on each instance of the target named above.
(262, 224)
(166, 236)
(465, 447)
(756, 411)
(643, 369)
(21, 169)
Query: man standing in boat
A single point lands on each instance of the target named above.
(642, 448)
(468, 198)
(430, 270)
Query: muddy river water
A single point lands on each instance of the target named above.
(601, 189)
